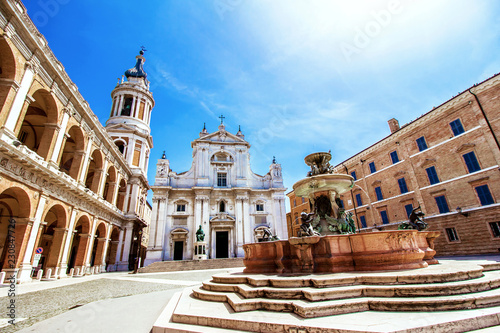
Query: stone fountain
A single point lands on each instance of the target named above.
(328, 242)
(280, 289)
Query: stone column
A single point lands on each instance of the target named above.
(240, 232)
(119, 250)
(56, 249)
(59, 140)
(82, 251)
(102, 258)
(111, 192)
(22, 233)
(134, 196)
(47, 141)
(116, 189)
(130, 151)
(103, 178)
(86, 159)
(123, 264)
(133, 107)
(192, 228)
(120, 105)
(212, 243)
(247, 225)
(18, 103)
(96, 180)
(25, 268)
(74, 171)
(95, 222)
(67, 243)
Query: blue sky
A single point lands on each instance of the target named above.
(298, 76)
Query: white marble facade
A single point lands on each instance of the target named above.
(222, 194)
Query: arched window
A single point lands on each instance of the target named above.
(121, 146)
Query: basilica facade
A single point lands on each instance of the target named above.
(72, 191)
(219, 197)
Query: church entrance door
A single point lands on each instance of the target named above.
(178, 250)
(222, 244)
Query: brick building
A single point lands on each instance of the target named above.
(68, 185)
(447, 161)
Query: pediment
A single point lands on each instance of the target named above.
(465, 146)
(120, 127)
(222, 217)
(221, 136)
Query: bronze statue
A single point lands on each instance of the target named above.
(416, 221)
(306, 228)
(200, 235)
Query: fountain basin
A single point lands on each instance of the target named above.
(376, 251)
(326, 182)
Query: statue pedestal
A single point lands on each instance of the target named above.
(200, 250)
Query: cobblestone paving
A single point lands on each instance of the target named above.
(40, 305)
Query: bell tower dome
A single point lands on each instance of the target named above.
(128, 124)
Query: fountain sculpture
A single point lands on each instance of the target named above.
(328, 241)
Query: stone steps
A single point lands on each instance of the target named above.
(489, 281)
(441, 287)
(452, 296)
(433, 274)
(187, 265)
(308, 309)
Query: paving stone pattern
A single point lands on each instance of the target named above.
(40, 305)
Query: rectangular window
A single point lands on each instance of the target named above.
(383, 215)
(221, 179)
(303, 200)
(294, 202)
(378, 193)
(341, 203)
(442, 204)
(495, 229)
(402, 185)
(452, 234)
(484, 194)
(432, 174)
(181, 208)
(422, 145)
(409, 209)
(363, 221)
(456, 127)
(353, 174)
(260, 207)
(358, 199)
(372, 167)
(471, 162)
(394, 157)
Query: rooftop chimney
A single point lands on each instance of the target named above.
(393, 125)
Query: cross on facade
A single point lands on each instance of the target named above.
(222, 119)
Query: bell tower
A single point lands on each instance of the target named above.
(128, 124)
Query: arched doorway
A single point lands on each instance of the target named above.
(98, 247)
(81, 240)
(72, 153)
(39, 125)
(14, 213)
(94, 171)
(51, 238)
